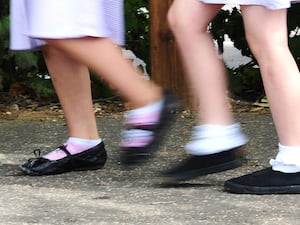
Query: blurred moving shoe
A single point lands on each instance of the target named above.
(142, 139)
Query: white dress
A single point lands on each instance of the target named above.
(270, 4)
(32, 20)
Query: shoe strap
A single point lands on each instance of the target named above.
(64, 149)
(146, 127)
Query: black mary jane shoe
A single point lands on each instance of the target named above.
(91, 159)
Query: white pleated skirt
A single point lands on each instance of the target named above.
(33, 20)
(270, 4)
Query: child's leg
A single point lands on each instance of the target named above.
(189, 20)
(281, 80)
(216, 139)
(71, 80)
(206, 71)
(72, 83)
(153, 108)
(106, 60)
(269, 43)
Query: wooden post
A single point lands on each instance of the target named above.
(166, 67)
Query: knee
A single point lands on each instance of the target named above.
(175, 24)
(182, 23)
(266, 46)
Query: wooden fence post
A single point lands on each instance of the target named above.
(166, 67)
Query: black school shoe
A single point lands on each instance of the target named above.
(194, 166)
(266, 181)
(91, 159)
(132, 156)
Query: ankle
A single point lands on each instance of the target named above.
(211, 139)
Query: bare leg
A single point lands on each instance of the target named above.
(71, 80)
(280, 74)
(189, 21)
(281, 77)
(215, 141)
(206, 72)
(106, 60)
(72, 83)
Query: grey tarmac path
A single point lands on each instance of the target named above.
(112, 196)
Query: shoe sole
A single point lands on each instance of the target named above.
(243, 189)
(202, 172)
(32, 173)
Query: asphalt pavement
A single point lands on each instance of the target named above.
(113, 196)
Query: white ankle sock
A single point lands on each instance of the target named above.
(148, 109)
(287, 159)
(85, 143)
(211, 139)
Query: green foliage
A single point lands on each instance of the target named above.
(294, 17)
(137, 40)
(245, 83)
(295, 48)
(40, 88)
(294, 27)
(137, 28)
(236, 32)
(217, 28)
(4, 9)
(100, 89)
(4, 35)
(16, 66)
